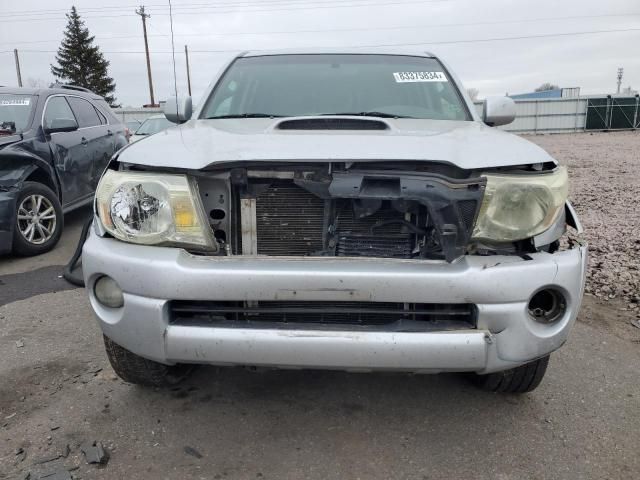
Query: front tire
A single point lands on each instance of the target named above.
(133, 368)
(522, 379)
(38, 220)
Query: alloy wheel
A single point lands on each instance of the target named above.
(36, 219)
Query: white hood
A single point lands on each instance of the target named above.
(200, 143)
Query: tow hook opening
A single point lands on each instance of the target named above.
(547, 305)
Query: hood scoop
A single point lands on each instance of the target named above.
(332, 123)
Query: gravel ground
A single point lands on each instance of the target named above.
(604, 170)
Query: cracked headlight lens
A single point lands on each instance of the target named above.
(516, 207)
(153, 209)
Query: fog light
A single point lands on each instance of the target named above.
(547, 306)
(108, 292)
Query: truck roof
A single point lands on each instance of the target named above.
(344, 50)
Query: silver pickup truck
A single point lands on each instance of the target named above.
(337, 210)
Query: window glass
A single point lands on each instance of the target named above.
(84, 111)
(153, 125)
(15, 112)
(103, 119)
(58, 113)
(107, 111)
(297, 85)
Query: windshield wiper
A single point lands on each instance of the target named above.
(369, 114)
(245, 115)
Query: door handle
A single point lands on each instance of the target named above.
(84, 141)
(110, 133)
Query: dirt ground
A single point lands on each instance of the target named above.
(57, 391)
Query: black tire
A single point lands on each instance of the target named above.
(21, 245)
(133, 368)
(522, 379)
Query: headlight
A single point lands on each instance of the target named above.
(516, 207)
(153, 209)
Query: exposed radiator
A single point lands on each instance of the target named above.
(357, 237)
(289, 220)
(397, 245)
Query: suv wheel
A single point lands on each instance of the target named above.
(39, 220)
(522, 379)
(133, 368)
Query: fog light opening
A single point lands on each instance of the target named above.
(547, 306)
(108, 293)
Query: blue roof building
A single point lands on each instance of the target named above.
(554, 93)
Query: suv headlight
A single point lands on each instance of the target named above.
(516, 207)
(153, 209)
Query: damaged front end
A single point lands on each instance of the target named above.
(402, 210)
(330, 210)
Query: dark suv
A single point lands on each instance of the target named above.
(54, 145)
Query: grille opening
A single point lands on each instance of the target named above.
(291, 220)
(324, 315)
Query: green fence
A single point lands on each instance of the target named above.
(613, 113)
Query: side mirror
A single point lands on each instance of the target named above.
(61, 125)
(178, 109)
(498, 111)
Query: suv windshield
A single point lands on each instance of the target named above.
(153, 125)
(298, 85)
(15, 112)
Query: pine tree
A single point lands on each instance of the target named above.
(81, 63)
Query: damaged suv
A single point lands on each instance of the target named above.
(335, 210)
(54, 145)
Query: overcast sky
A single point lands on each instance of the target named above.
(589, 61)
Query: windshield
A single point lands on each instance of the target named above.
(298, 85)
(15, 112)
(153, 125)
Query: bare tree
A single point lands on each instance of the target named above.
(473, 93)
(546, 86)
(36, 83)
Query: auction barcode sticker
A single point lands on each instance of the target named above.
(15, 102)
(403, 77)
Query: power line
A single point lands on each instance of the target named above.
(191, 6)
(164, 7)
(21, 20)
(316, 7)
(268, 10)
(368, 29)
(446, 42)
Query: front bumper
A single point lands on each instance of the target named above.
(500, 287)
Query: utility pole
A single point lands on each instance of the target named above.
(186, 54)
(140, 11)
(15, 54)
(620, 73)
